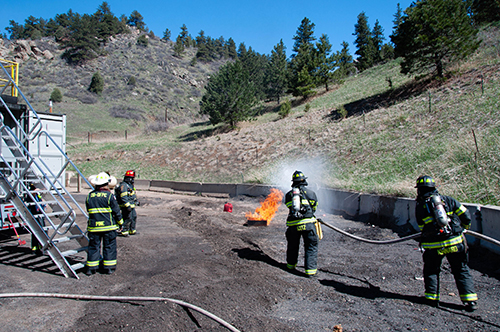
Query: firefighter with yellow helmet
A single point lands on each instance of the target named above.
(104, 219)
(127, 199)
(442, 220)
(301, 223)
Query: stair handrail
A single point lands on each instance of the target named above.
(27, 155)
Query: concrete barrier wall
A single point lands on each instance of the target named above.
(397, 213)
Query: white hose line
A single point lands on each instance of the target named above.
(409, 237)
(121, 299)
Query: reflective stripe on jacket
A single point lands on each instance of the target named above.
(126, 195)
(308, 201)
(104, 212)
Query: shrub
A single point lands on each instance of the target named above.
(285, 109)
(131, 80)
(143, 41)
(56, 95)
(307, 108)
(342, 112)
(97, 84)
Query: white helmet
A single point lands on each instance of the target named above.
(102, 179)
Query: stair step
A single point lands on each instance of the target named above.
(77, 266)
(67, 238)
(73, 251)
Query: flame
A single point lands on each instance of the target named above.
(268, 208)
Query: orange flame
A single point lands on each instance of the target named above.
(268, 208)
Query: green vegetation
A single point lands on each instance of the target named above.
(56, 95)
(97, 84)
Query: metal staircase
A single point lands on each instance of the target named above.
(24, 178)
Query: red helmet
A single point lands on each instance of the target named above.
(130, 173)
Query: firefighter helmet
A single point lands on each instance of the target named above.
(298, 176)
(102, 179)
(425, 181)
(130, 173)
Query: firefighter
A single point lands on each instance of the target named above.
(127, 199)
(302, 203)
(442, 220)
(36, 246)
(104, 219)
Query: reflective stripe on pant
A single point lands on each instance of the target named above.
(108, 249)
(129, 220)
(458, 262)
(308, 233)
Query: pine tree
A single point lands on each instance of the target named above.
(276, 73)
(97, 84)
(229, 95)
(231, 48)
(178, 47)
(378, 40)
(184, 36)
(344, 62)
(82, 43)
(433, 35)
(485, 11)
(56, 95)
(136, 20)
(364, 43)
(167, 34)
(326, 63)
(303, 63)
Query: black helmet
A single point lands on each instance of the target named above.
(425, 181)
(298, 176)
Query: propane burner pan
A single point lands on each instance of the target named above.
(256, 223)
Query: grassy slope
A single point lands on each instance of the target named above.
(450, 131)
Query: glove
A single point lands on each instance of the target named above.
(298, 215)
(129, 209)
(138, 203)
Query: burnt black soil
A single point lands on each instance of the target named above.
(189, 249)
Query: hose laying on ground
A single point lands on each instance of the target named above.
(121, 299)
(409, 237)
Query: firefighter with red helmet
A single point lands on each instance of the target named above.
(301, 223)
(442, 220)
(104, 219)
(127, 199)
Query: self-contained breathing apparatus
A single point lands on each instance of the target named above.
(441, 219)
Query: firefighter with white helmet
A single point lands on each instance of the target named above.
(104, 219)
(127, 199)
(301, 223)
(442, 220)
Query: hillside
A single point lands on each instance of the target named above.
(448, 129)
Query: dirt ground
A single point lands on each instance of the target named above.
(190, 250)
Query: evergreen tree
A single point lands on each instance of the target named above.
(56, 95)
(82, 44)
(143, 41)
(398, 19)
(277, 72)
(136, 20)
(229, 96)
(97, 84)
(15, 30)
(485, 11)
(326, 63)
(303, 63)
(34, 28)
(178, 47)
(106, 24)
(344, 62)
(255, 64)
(242, 50)
(167, 34)
(364, 43)
(378, 40)
(203, 52)
(231, 48)
(433, 35)
(184, 36)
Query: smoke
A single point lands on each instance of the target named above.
(314, 169)
(317, 170)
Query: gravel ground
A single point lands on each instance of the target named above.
(190, 250)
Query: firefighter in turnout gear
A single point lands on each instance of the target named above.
(442, 220)
(104, 219)
(127, 199)
(301, 223)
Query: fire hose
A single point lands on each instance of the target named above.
(406, 238)
(121, 299)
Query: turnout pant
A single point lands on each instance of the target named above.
(108, 240)
(458, 262)
(311, 241)
(129, 220)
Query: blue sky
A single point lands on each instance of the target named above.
(259, 23)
